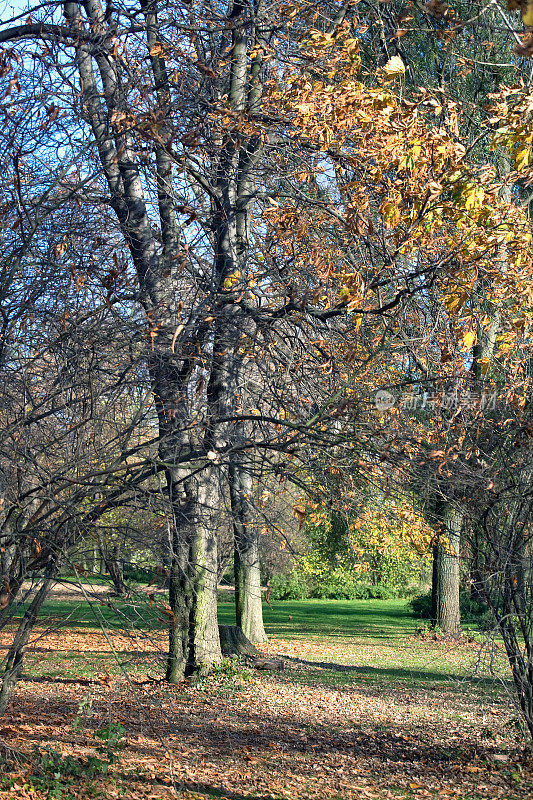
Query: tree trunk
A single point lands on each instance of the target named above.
(234, 642)
(113, 567)
(248, 600)
(194, 643)
(15, 656)
(434, 584)
(7, 556)
(477, 558)
(182, 345)
(448, 616)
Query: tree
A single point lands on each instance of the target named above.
(55, 487)
(176, 133)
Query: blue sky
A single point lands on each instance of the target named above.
(10, 8)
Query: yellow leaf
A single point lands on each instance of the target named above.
(177, 332)
(60, 248)
(522, 157)
(455, 301)
(469, 339)
(301, 514)
(232, 279)
(393, 68)
(527, 14)
(391, 213)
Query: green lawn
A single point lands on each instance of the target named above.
(366, 619)
(370, 640)
(371, 620)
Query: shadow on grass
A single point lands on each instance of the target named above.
(199, 788)
(374, 619)
(116, 616)
(397, 675)
(55, 679)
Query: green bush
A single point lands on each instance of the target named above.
(111, 740)
(382, 591)
(339, 586)
(474, 610)
(137, 574)
(293, 586)
(421, 605)
(225, 597)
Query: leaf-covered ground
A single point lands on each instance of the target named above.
(365, 707)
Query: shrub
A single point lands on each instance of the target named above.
(224, 596)
(340, 586)
(337, 585)
(293, 586)
(474, 611)
(421, 605)
(137, 574)
(111, 740)
(382, 591)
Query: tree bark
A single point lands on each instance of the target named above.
(183, 345)
(193, 640)
(234, 642)
(15, 656)
(114, 568)
(434, 584)
(194, 643)
(448, 617)
(248, 600)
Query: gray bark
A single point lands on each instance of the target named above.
(447, 612)
(113, 566)
(15, 657)
(234, 642)
(248, 600)
(225, 191)
(193, 638)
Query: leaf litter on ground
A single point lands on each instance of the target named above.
(348, 719)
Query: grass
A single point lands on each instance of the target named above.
(115, 613)
(378, 633)
(368, 620)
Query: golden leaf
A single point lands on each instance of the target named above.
(177, 332)
(527, 14)
(301, 514)
(393, 68)
(469, 339)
